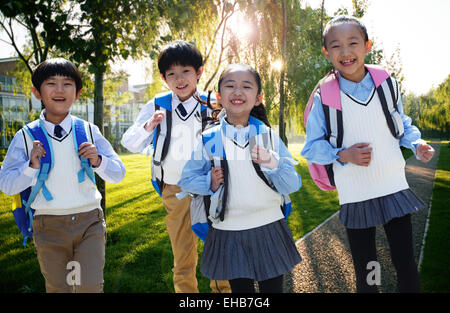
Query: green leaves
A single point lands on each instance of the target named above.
(430, 112)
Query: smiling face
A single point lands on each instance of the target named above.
(58, 93)
(182, 80)
(238, 94)
(346, 49)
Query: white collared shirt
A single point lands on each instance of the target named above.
(16, 175)
(136, 139)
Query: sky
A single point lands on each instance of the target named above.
(418, 27)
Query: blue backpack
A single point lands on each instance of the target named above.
(162, 133)
(22, 211)
(205, 209)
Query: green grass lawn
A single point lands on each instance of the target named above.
(435, 270)
(138, 251)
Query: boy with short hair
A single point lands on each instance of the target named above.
(68, 225)
(173, 123)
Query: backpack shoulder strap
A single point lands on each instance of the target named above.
(264, 138)
(36, 131)
(268, 143)
(213, 145)
(212, 141)
(378, 74)
(330, 96)
(330, 92)
(162, 133)
(79, 130)
(387, 90)
(164, 100)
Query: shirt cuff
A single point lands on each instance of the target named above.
(336, 151)
(143, 133)
(415, 145)
(278, 158)
(29, 171)
(103, 164)
(281, 162)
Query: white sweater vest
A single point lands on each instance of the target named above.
(386, 172)
(250, 202)
(69, 196)
(185, 136)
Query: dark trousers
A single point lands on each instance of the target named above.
(246, 285)
(399, 235)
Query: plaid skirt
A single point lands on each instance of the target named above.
(259, 253)
(379, 211)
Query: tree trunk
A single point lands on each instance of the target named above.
(282, 124)
(98, 120)
(321, 19)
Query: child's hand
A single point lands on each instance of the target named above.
(216, 178)
(425, 152)
(153, 121)
(264, 157)
(359, 154)
(36, 153)
(89, 151)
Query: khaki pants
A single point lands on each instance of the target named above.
(184, 243)
(71, 251)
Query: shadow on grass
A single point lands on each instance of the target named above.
(139, 257)
(112, 209)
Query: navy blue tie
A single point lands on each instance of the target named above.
(182, 110)
(58, 131)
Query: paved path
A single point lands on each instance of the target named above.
(327, 263)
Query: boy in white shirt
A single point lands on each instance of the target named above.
(181, 66)
(68, 224)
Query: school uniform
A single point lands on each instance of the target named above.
(185, 134)
(253, 239)
(373, 195)
(71, 226)
(368, 196)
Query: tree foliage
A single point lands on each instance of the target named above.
(32, 15)
(431, 112)
(94, 33)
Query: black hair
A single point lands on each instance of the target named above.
(215, 106)
(258, 111)
(344, 19)
(179, 53)
(56, 67)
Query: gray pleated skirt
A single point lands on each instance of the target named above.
(379, 211)
(259, 253)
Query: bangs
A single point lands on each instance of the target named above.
(240, 67)
(179, 53)
(344, 19)
(56, 67)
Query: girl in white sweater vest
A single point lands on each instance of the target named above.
(250, 240)
(369, 169)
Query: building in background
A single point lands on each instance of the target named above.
(14, 106)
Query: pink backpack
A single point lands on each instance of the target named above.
(330, 96)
